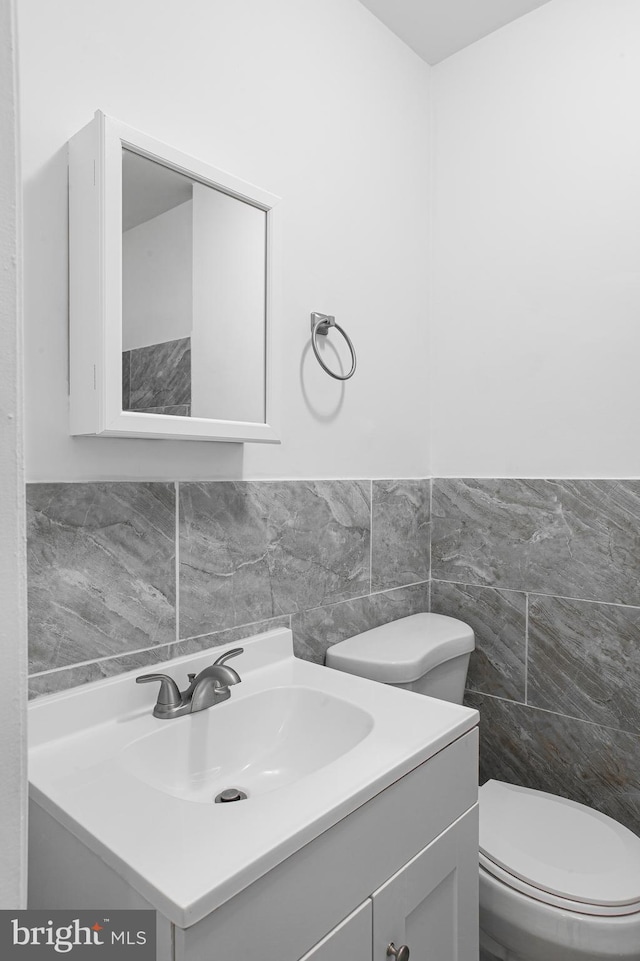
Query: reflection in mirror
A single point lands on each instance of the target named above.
(193, 297)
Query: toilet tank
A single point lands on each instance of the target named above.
(425, 653)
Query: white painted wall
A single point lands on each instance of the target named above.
(313, 100)
(536, 309)
(157, 276)
(13, 595)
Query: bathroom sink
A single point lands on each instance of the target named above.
(308, 746)
(259, 743)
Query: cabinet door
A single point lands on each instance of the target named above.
(351, 939)
(431, 904)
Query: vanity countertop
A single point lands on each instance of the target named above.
(138, 790)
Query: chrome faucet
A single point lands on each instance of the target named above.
(209, 687)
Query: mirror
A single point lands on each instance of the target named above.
(193, 296)
(187, 307)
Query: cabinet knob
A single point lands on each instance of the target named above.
(400, 954)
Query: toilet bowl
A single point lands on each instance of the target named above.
(558, 881)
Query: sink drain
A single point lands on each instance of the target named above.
(231, 794)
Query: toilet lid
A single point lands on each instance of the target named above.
(402, 651)
(559, 847)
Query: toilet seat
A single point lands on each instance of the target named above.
(558, 851)
(538, 894)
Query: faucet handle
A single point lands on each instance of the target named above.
(169, 694)
(225, 657)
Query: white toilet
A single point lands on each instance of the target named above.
(558, 881)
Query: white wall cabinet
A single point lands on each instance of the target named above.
(121, 180)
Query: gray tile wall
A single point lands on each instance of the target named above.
(157, 379)
(547, 572)
(123, 575)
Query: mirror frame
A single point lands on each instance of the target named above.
(95, 288)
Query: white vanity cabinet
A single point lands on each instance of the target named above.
(401, 868)
(429, 906)
(350, 939)
(431, 903)
(378, 846)
(409, 855)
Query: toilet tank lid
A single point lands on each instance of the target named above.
(402, 651)
(559, 846)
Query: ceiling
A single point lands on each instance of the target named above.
(437, 28)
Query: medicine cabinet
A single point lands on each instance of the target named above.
(173, 293)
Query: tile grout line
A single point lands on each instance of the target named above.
(526, 649)
(430, 578)
(520, 590)
(222, 630)
(239, 627)
(370, 536)
(157, 647)
(101, 660)
(177, 561)
(310, 610)
(546, 710)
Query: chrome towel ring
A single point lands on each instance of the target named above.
(320, 324)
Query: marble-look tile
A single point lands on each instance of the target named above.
(576, 538)
(499, 621)
(101, 574)
(62, 680)
(126, 379)
(584, 660)
(160, 375)
(232, 635)
(316, 630)
(252, 550)
(596, 765)
(399, 533)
